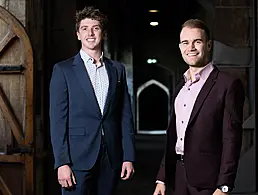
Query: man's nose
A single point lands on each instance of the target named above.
(192, 46)
(90, 32)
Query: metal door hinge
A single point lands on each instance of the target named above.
(9, 150)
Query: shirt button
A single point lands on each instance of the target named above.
(184, 105)
(181, 139)
(188, 89)
(182, 121)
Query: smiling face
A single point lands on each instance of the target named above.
(90, 34)
(194, 47)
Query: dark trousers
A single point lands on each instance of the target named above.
(100, 180)
(182, 187)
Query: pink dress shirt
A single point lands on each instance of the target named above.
(185, 100)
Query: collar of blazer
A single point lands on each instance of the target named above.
(84, 80)
(203, 93)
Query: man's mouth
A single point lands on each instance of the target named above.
(192, 54)
(90, 39)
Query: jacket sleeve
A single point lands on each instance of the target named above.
(161, 176)
(58, 117)
(128, 134)
(232, 133)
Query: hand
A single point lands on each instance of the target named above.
(127, 170)
(160, 189)
(65, 176)
(219, 192)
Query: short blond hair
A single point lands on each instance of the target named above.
(197, 23)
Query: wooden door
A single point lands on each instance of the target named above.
(16, 108)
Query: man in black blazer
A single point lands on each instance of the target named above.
(90, 115)
(204, 136)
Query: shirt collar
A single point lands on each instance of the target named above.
(86, 58)
(204, 73)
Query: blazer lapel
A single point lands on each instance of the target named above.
(173, 114)
(204, 93)
(112, 76)
(84, 80)
(177, 89)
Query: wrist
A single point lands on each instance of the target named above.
(160, 182)
(224, 188)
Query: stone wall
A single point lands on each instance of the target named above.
(232, 32)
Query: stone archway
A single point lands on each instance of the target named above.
(152, 113)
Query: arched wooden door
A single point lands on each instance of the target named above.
(16, 108)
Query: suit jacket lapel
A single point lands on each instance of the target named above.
(173, 114)
(177, 90)
(204, 93)
(84, 80)
(112, 76)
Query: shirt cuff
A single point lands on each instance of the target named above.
(160, 182)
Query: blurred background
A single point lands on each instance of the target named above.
(144, 36)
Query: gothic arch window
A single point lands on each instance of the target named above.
(152, 108)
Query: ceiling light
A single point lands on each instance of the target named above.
(154, 23)
(153, 10)
(151, 61)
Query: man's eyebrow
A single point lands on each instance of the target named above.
(198, 40)
(97, 25)
(183, 41)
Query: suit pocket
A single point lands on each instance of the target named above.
(77, 131)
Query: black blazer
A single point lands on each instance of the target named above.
(213, 136)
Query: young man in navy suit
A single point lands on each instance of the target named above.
(204, 136)
(91, 121)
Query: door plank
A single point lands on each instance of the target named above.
(7, 39)
(3, 187)
(22, 129)
(29, 171)
(12, 158)
(10, 117)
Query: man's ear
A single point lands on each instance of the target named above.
(78, 37)
(209, 44)
(104, 35)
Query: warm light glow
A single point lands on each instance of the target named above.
(154, 23)
(153, 10)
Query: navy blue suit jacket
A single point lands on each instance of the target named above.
(76, 120)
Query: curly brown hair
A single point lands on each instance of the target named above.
(92, 13)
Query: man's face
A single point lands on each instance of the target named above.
(90, 34)
(194, 47)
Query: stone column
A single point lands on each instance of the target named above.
(233, 53)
